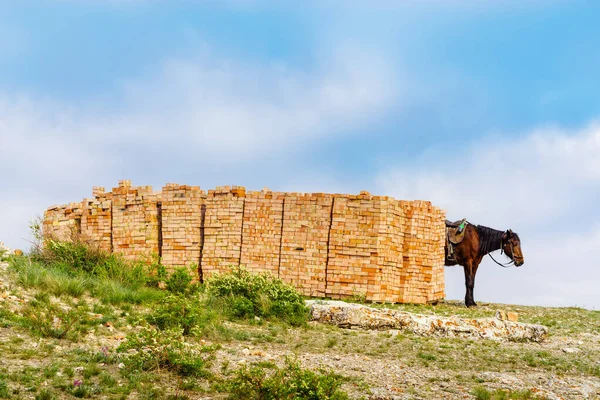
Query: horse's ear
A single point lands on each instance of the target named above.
(510, 232)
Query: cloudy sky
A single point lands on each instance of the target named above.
(490, 111)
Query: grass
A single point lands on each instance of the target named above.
(174, 337)
(57, 281)
(266, 381)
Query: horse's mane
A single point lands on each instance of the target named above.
(489, 239)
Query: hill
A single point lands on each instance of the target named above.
(76, 323)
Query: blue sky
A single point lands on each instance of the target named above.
(488, 109)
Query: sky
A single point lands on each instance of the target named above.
(490, 110)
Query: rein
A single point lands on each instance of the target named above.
(507, 265)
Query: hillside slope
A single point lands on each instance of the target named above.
(59, 337)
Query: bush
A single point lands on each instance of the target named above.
(247, 295)
(178, 311)
(4, 390)
(290, 382)
(154, 350)
(179, 281)
(50, 320)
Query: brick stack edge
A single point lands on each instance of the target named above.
(326, 245)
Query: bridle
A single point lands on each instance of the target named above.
(512, 261)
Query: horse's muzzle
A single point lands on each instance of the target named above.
(519, 262)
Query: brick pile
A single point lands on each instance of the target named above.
(181, 219)
(261, 233)
(135, 221)
(63, 222)
(325, 245)
(390, 246)
(96, 220)
(423, 256)
(353, 268)
(304, 244)
(223, 229)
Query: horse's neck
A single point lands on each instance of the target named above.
(489, 240)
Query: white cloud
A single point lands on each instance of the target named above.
(544, 186)
(206, 113)
(249, 110)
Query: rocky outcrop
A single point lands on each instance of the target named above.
(349, 315)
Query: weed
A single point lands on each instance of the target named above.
(178, 311)
(45, 394)
(290, 382)
(50, 320)
(4, 390)
(179, 281)
(242, 294)
(166, 350)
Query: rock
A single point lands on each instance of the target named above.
(349, 315)
(571, 350)
(512, 316)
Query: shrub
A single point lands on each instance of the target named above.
(49, 320)
(247, 295)
(290, 382)
(179, 281)
(4, 390)
(168, 350)
(156, 273)
(178, 311)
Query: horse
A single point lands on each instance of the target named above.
(478, 241)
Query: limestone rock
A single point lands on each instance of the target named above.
(349, 315)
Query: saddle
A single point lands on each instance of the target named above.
(455, 233)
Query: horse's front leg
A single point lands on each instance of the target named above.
(470, 271)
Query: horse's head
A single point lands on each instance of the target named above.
(511, 244)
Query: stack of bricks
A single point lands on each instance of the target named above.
(353, 268)
(181, 215)
(62, 222)
(135, 221)
(223, 229)
(261, 233)
(423, 256)
(325, 245)
(96, 221)
(436, 254)
(390, 245)
(304, 244)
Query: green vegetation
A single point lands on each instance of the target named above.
(268, 382)
(83, 323)
(167, 350)
(482, 393)
(243, 295)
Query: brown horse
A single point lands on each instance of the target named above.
(478, 242)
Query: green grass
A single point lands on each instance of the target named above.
(174, 336)
(481, 393)
(265, 381)
(59, 282)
